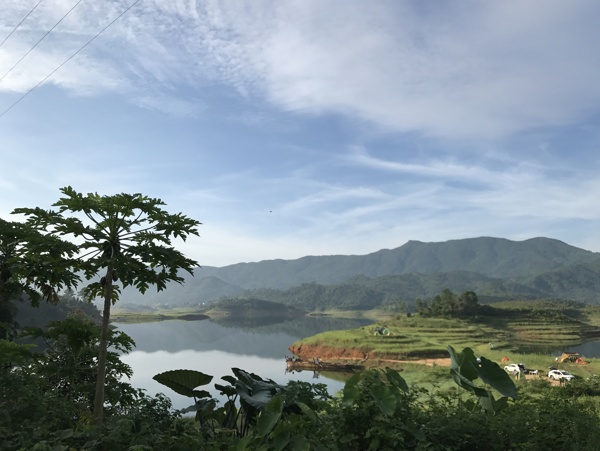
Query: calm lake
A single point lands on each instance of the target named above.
(590, 349)
(214, 348)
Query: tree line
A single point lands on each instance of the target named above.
(449, 304)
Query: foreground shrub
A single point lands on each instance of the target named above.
(376, 410)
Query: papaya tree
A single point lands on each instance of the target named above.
(29, 269)
(124, 238)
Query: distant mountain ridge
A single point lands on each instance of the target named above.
(542, 266)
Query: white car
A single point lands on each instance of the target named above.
(560, 375)
(514, 368)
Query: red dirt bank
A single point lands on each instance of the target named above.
(308, 352)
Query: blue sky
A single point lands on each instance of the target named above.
(312, 127)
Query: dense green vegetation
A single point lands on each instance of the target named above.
(448, 304)
(46, 400)
(492, 257)
(249, 307)
(69, 303)
(46, 403)
(363, 293)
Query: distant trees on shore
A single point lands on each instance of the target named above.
(449, 304)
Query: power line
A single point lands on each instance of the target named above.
(19, 24)
(42, 38)
(69, 58)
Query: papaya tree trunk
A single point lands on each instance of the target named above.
(101, 376)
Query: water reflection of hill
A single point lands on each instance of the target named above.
(301, 327)
(264, 340)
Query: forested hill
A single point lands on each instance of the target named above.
(493, 257)
(536, 265)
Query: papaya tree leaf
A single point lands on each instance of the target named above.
(183, 382)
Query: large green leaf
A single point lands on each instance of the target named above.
(466, 367)
(491, 374)
(203, 405)
(350, 391)
(395, 379)
(229, 379)
(253, 390)
(255, 398)
(500, 404)
(492, 405)
(184, 381)
(384, 398)
(306, 410)
(255, 382)
(467, 384)
(226, 390)
(299, 443)
(269, 416)
(280, 438)
(464, 363)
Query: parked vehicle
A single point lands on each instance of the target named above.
(514, 368)
(560, 375)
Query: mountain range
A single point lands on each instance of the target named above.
(495, 268)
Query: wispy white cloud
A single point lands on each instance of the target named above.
(517, 189)
(474, 69)
(314, 127)
(332, 195)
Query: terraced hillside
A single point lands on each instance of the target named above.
(510, 328)
(410, 337)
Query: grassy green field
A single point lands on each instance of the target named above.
(410, 337)
(527, 332)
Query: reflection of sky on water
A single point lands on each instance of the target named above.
(174, 336)
(213, 349)
(215, 363)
